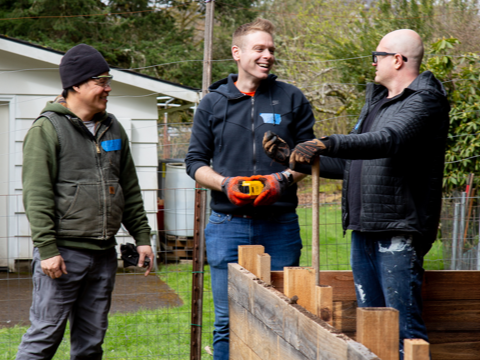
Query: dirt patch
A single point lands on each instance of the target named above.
(132, 292)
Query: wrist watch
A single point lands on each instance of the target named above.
(289, 176)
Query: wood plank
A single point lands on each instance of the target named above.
(345, 316)
(451, 285)
(324, 303)
(456, 351)
(445, 337)
(341, 282)
(261, 340)
(303, 331)
(239, 350)
(438, 284)
(300, 282)
(458, 315)
(416, 349)
(253, 332)
(377, 329)
(277, 280)
(264, 267)
(247, 257)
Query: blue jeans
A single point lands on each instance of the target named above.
(388, 271)
(280, 235)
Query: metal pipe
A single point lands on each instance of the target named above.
(454, 236)
(315, 219)
(478, 244)
(460, 235)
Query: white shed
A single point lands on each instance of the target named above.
(28, 79)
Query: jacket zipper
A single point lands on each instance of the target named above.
(104, 194)
(253, 136)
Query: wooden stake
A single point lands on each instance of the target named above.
(300, 282)
(247, 257)
(378, 330)
(264, 267)
(315, 219)
(324, 303)
(208, 46)
(416, 349)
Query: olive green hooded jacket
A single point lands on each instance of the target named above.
(78, 188)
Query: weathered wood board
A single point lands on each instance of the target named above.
(265, 325)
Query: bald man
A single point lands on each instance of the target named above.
(392, 170)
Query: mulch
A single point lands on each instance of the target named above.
(133, 291)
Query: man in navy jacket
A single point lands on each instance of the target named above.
(226, 149)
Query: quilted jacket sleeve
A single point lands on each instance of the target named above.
(414, 119)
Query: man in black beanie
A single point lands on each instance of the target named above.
(79, 186)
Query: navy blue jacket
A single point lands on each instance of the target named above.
(228, 130)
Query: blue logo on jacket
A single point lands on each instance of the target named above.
(112, 145)
(269, 118)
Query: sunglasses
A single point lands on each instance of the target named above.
(381, 53)
(103, 80)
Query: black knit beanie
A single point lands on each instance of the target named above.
(80, 63)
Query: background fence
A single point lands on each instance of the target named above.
(151, 316)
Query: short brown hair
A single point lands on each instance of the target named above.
(258, 24)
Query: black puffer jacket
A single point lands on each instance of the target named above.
(403, 153)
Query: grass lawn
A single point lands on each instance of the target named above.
(335, 248)
(165, 333)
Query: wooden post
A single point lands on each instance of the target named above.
(378, 330)
(200, 208)
(416, 349)
(315, 219)
(208, 46)
(324, 303)
(247, 257)
(264, 267)
(300, 281)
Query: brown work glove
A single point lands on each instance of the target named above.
(274, 185)
(308, 150)
(276, 148)
(231, 188)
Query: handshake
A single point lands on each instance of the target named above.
(277, 149)
(274, 185)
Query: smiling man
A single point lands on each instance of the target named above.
(392, 169)
(228, 129)
(79, 185)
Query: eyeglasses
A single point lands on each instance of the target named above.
(381, 53)
(103, 80)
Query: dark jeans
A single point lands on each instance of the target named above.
(280, 235)
(388, 272)
(83, 296)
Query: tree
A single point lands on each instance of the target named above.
(460, 76)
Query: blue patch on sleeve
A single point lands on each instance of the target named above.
(112, 145)
(268, 118)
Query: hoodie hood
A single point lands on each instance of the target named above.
(227, 87)
(427, 81)
(59, 106)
